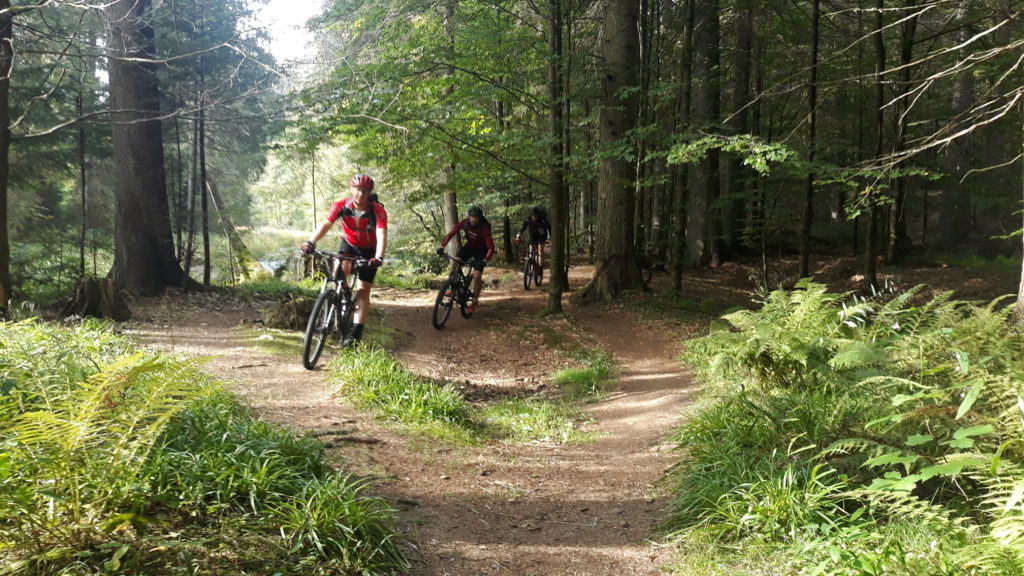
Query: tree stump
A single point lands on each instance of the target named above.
(289, 314)
(96, 297)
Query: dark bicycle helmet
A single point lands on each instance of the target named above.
(475, 211)
(539, 212)
(362, 181)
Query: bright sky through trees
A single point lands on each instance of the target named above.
(286, 20)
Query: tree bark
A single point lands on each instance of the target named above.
(899, 241)
(451, 207)
(620, 51)
(680, 189)
(144, 260)
(737, 176)
(955, 204)
(6, 64)
(703, 220)
(558, 280)
(812, 136)
(871, 245)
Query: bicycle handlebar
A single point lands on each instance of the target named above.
(357, 261)
(458, 260)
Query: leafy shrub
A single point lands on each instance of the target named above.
(912, 409)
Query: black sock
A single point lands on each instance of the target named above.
(357, 332)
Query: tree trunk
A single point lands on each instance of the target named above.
(899, 241)
(97, 298)
(703, 220)
(871, 246)
(82, 181)
(451, 207)
(682, 123)
(737, 176)
(812, 135)
(955, 204)
(241, 252)
(6, 64)
(190, 218)
(558, 280)
(144, 260)
(203, 187)
(620, 50)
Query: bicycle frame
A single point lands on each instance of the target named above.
(457, 290)
(334, 309)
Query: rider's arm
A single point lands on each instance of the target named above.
(490, 245)
(382, 231)
(321, 231)
(455, 230)
(382, 242)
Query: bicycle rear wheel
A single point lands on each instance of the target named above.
(527, 273)
(538, 274)
(319, 327)
(443, 305)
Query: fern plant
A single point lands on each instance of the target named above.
(73, 452)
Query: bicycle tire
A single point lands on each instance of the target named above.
(527, 273)
(538, 275)
(465, 296)
(346, 318)
(443, 305)
(318, 328)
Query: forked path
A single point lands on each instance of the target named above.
(536, 509)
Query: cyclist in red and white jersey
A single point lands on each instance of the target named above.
(364, 233)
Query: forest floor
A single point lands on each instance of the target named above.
(534, 509)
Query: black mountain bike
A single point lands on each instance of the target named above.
(532, 272)
(456, 291)
(333, 311)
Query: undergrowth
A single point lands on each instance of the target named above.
(372, 378)
(856, 437)
(118, 461)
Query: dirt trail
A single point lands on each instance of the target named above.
(513, 510)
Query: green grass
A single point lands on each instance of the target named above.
(375, 380)
(532, 419)
(115, 461)
(591, 380)
(997, 265)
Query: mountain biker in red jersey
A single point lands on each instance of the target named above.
(364, 233)
(477, 243)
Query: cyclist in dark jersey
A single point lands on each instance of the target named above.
(540, 232)
(477, 243)
(364, 233)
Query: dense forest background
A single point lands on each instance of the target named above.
(161, 143)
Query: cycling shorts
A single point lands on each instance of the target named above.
(366, 273)
(467, 252)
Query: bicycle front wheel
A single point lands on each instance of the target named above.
(319, 327)
(443, 305)
(346, 318)
(527, 274)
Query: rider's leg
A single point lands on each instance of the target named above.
(478, 283)
(362, 309)
(538, 249)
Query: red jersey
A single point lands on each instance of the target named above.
(359, 227)
(478, 236)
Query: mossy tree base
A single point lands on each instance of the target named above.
(97, 298)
